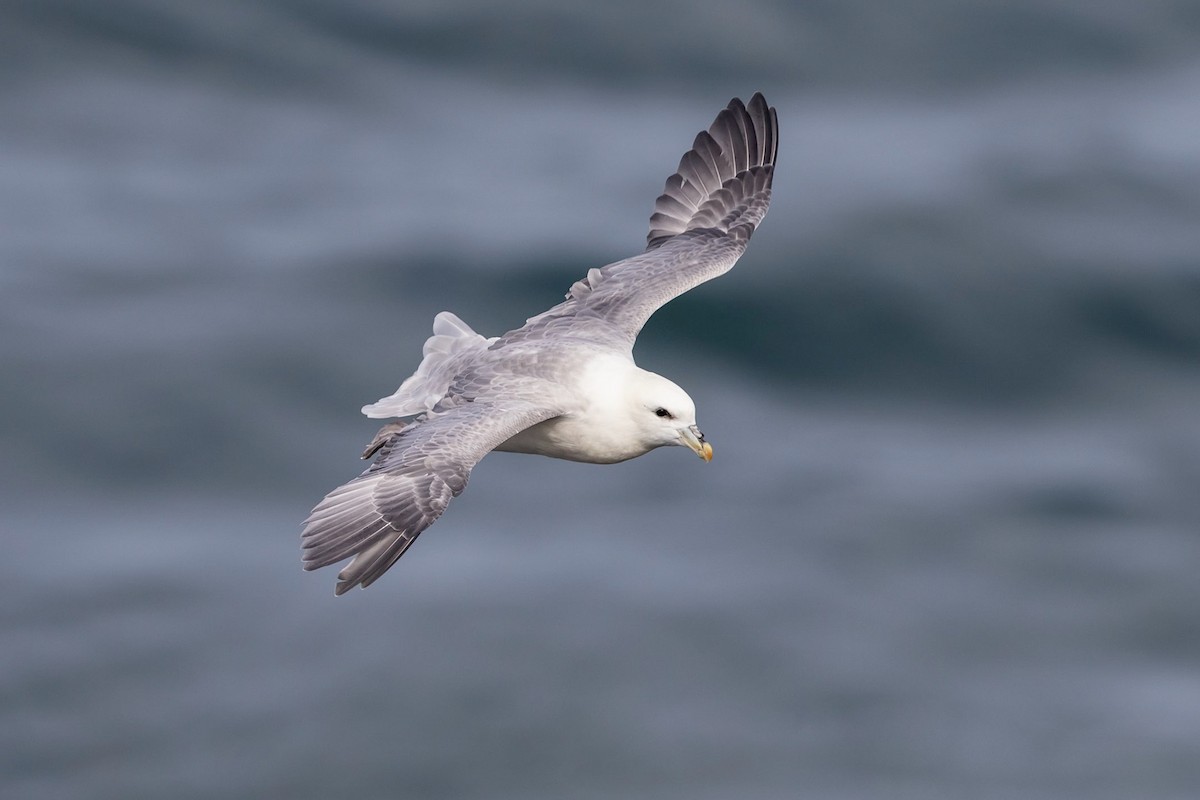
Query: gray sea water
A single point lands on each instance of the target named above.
(948, 547)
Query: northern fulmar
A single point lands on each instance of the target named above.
(564, 384)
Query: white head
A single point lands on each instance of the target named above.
(662, 414)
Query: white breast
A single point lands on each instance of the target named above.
(600, 430)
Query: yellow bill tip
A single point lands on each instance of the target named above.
(706, 453)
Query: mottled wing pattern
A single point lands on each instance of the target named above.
(700, 227)
(417, 472)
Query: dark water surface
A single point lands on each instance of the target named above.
(948, 547)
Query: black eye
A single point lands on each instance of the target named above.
(662, 412)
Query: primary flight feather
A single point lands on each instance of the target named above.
(563, 385)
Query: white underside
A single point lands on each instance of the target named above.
(574, 439)
(599, 430)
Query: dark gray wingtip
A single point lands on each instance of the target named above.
(758, 109)
(724, 181)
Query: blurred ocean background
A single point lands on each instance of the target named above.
(949, 544)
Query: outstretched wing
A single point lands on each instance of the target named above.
(700, 227)
(418, 471)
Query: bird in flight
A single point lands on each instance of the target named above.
(564, 384)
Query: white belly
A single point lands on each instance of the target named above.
(573, 439)
(599, 429)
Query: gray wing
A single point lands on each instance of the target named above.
(418, 471)
(700, 227)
